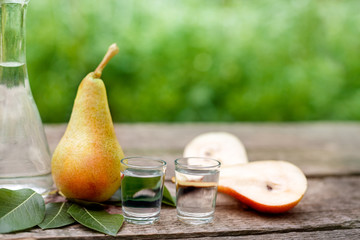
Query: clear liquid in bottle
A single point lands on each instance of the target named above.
(24, 152)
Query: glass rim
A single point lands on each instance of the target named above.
(161, 162)
(217, 163)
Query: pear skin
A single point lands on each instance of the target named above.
(86, 162)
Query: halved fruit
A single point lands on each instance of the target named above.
(266, 186)
(223, 146)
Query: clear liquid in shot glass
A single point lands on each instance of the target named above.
(196, 196)
(142, 195)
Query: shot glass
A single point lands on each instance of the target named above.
(196, 189)
(142, 189)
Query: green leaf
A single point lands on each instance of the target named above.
(20, 209)
(167, 198)
(132, 185)
(56, 215)
(87, 204)
(98, 220)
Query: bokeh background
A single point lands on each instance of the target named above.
(203, 60)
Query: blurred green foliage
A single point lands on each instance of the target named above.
(203, 60)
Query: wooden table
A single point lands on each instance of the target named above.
(328, 153)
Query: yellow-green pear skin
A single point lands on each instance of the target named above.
(86, 162)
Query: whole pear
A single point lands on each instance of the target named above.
(86, 163)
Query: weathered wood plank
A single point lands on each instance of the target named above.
(319, 149)
(331, 203)
(347, 234)
(327, 152)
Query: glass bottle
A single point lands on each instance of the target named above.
(24, 152)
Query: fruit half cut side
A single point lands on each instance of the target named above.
(266, 186)
(222, 146)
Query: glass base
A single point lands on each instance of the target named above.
(40, 184)
(141, 221)
(195, 220)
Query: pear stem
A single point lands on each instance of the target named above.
(111, 52)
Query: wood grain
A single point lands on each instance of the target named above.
(331, 203)
(328, 153)
(319, 149)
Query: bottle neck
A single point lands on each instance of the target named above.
(12, 31)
